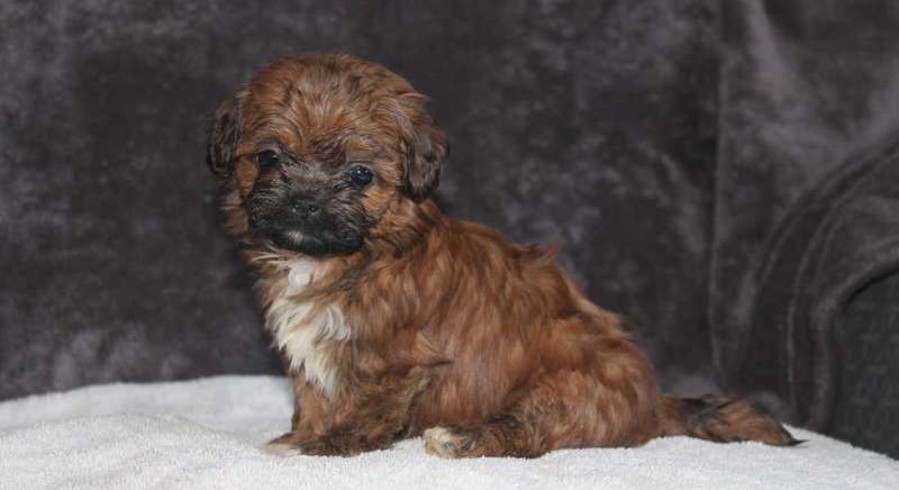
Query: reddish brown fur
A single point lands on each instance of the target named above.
(452, 325)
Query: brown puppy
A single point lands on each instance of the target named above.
(395, 320)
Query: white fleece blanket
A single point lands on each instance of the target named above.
(206, 434)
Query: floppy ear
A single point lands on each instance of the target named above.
(424, 154)
(224, 137)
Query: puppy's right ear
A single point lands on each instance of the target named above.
(224, 137)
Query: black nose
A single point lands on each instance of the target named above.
(305, 208)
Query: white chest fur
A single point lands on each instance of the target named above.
(307, 331)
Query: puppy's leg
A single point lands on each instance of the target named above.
(369, 416)
(561, 409)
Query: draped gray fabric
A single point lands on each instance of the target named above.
(807, 192)
(722, 173)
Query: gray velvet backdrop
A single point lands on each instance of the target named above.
(720, 172)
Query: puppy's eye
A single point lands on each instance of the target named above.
(360, 175)
(268, 158)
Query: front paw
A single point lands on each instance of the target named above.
(450, 443)
(339, 444)
(281, 449)
(289, 444)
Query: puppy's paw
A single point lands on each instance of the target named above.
(449, 443)
(334, 444)
(311, 448)
(285, 445)
(331, 446)
(281, 449)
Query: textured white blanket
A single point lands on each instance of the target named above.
(206, 434)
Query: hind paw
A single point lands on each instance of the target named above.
(450, 443)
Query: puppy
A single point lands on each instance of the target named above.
(395, 321)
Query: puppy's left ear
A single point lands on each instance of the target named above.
(224, 137)
(425, 152)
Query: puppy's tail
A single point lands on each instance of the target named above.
(721, 419)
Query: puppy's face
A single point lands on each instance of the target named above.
(316, 152)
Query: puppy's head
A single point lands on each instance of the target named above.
(315, 151)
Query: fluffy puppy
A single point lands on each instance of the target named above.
(396, 321)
